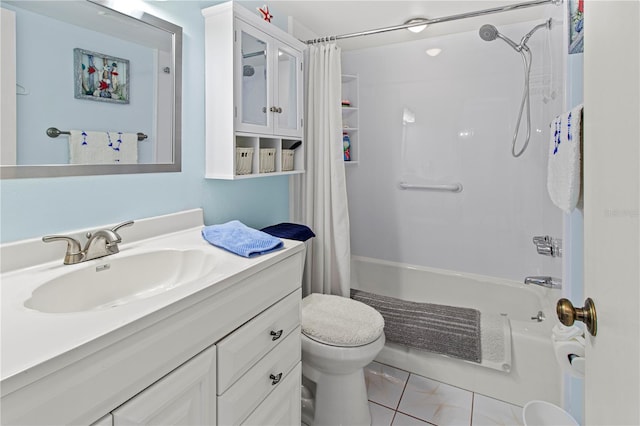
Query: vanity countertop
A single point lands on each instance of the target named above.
(34, 344)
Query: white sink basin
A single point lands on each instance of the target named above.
(116, 280)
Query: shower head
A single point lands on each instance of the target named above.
(248, 71)
(489, 33)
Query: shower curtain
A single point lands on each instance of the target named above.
(320, 194)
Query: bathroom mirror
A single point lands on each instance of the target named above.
(96, 67)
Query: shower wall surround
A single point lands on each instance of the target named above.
(450, 118)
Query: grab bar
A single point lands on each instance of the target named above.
(455, 187)
(53, 132)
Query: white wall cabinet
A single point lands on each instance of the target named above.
(254, 84)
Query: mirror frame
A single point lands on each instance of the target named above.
(60, 170)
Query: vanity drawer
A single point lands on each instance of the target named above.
(244, 347)
(282, 407)
(250, 390)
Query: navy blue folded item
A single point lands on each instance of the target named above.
(238, 238)
(290, 231)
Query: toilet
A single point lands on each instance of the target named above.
(340, 336)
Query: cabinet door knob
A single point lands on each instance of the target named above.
(276, 334)
(279, 110)
(273, 109)
(264, 109)
(275, 378)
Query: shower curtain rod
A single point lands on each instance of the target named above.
(438, 20)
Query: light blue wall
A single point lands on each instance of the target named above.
(35, 207)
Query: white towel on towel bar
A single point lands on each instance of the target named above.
(102, 147)
(564, 168)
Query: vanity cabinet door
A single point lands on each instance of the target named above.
(186, 396)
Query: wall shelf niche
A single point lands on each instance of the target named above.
(351, 115)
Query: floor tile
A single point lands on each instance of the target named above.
(404, 420)
(436, 402)
(491, 412)
(385, 384)
(380, 416)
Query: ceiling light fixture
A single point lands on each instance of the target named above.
(417, 28)
(433, 51)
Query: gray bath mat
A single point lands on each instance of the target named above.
(446, 330)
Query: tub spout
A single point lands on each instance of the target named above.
(548, 282)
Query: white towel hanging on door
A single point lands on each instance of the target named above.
(102, 147)
(564, 169)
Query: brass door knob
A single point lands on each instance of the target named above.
(567, 314)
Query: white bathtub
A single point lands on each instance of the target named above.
(534, 373)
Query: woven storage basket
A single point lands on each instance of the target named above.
(287, 160)
(244, 160)
(267, 160)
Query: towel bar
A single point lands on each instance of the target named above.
(455, 187)
(52, 132)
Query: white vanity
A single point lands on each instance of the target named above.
(219, 343)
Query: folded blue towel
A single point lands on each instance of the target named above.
(238, 238)
(291, 231)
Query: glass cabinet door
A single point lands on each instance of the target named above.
(253, 107)
(287, 119)
(268, 84)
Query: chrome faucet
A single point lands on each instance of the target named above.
(548, 282)
(99, 244)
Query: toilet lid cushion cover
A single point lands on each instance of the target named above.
(340, 321)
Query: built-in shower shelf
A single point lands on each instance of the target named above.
(350, 114)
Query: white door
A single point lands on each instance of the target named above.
(611, 210)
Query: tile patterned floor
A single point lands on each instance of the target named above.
(399, 398)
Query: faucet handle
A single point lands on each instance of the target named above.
(542, 240)
(74, 252)
(545, 250)
(122, 225)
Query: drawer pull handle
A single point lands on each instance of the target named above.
(275, 378)
(276, 334)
